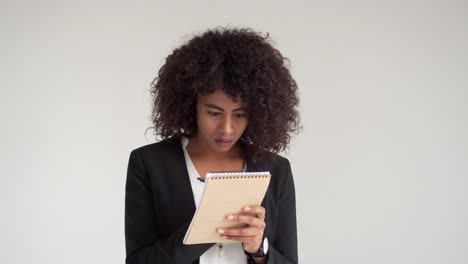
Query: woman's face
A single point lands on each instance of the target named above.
(221, 122)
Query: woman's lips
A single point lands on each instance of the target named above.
(223, 141)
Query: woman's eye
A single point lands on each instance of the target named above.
(214, 113)
(240, 115)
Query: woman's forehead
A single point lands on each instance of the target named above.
(220, 98)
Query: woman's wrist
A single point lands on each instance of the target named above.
(260, 256)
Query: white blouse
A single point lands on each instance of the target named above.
(220, 253)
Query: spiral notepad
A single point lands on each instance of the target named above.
(225, 193)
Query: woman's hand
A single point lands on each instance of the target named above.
(250, 236)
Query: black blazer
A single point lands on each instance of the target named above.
(159, 206)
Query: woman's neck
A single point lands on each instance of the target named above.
(204, 151)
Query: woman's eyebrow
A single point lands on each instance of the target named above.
(214, 106)
(221, 109)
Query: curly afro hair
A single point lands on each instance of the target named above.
(242, 63)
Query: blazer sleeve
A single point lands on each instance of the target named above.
(284, 249)
(143, 244)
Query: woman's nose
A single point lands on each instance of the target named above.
(226, 125)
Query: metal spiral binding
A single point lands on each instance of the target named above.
(237, 174)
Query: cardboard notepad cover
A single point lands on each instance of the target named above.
(225, 193)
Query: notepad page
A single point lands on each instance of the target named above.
(225, 193)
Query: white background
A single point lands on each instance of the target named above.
(380, 168)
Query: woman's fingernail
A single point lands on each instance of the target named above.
(220, 231)
(230, 217)
(247, 208)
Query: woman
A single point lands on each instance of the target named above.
(224, 101)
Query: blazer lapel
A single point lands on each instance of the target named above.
(179, 180)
